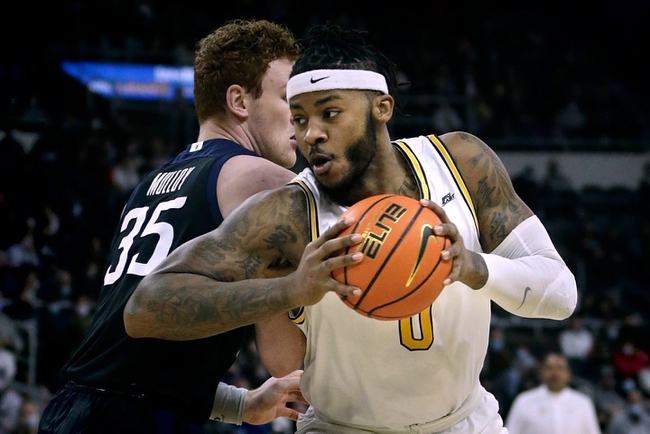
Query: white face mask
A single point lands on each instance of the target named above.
(32, 420)
(83, 309)
(628, 349)
(7, 368)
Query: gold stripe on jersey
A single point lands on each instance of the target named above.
(420, 177)
(458, 178)
(297, 315)
(312, 213)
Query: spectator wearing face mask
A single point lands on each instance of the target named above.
(633, 419)
(629, 360)
(28, 417)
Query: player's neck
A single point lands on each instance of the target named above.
(211, 129)
(388, 174)
(404, 182)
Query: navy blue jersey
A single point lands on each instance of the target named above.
(171, 205)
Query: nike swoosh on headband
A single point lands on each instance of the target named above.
(316, 80)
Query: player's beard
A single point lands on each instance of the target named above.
(359, 155)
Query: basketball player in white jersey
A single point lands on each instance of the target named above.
(419, 375)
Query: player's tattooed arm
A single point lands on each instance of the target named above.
(499, 209)
(201, 288)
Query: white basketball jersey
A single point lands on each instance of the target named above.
(393, 374)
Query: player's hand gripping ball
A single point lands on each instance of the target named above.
(402, 272)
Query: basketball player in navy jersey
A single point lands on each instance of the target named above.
(121, 385)
(419, 375)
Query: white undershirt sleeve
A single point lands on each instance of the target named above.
(527, 276)
(228, 404)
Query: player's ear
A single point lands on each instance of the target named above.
(383, 108)
(236, 101)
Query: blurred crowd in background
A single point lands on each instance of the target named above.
(527, 79)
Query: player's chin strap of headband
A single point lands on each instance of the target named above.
(328, 79)
(527, 276)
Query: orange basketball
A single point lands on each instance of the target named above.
(402, 272)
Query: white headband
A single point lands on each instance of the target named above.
(327, 79)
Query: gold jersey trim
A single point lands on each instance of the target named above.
(311, 207)
(420, 176)
(451, 166)
(298, 315)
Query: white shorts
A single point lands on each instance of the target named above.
(485, 419)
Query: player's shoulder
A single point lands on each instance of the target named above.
(288, 196)
(463, 143)
(252, 163)
(254, 173)
(244, 176)
(285, 206)
(471, 154)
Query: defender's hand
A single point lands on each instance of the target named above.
(269, 401)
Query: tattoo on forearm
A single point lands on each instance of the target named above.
(250, 266)
(480, 270)
(189, 299)
(278, 240)
(185, 308)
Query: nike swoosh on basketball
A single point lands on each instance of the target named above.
(427, 232)
(316, 80)
(526, 291)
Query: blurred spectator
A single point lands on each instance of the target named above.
(500, 375)
(630, 350)
(588, 247)
(29, 416)
(577, 343)
(554, 181)
(606, 395)
(629, 360)
(525, 186)
(553, 407)
(125, 173)
(84, 310)
(633, 419)
(10, 338)
(644, 380)
(283, 425)
(27, 302)
(23, 254)
(60, 333)
(10, 400)
(643, 190)
(47, 227)
(570, 120)
(445, 117)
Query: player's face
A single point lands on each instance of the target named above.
(336, 133)
(269, 118)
